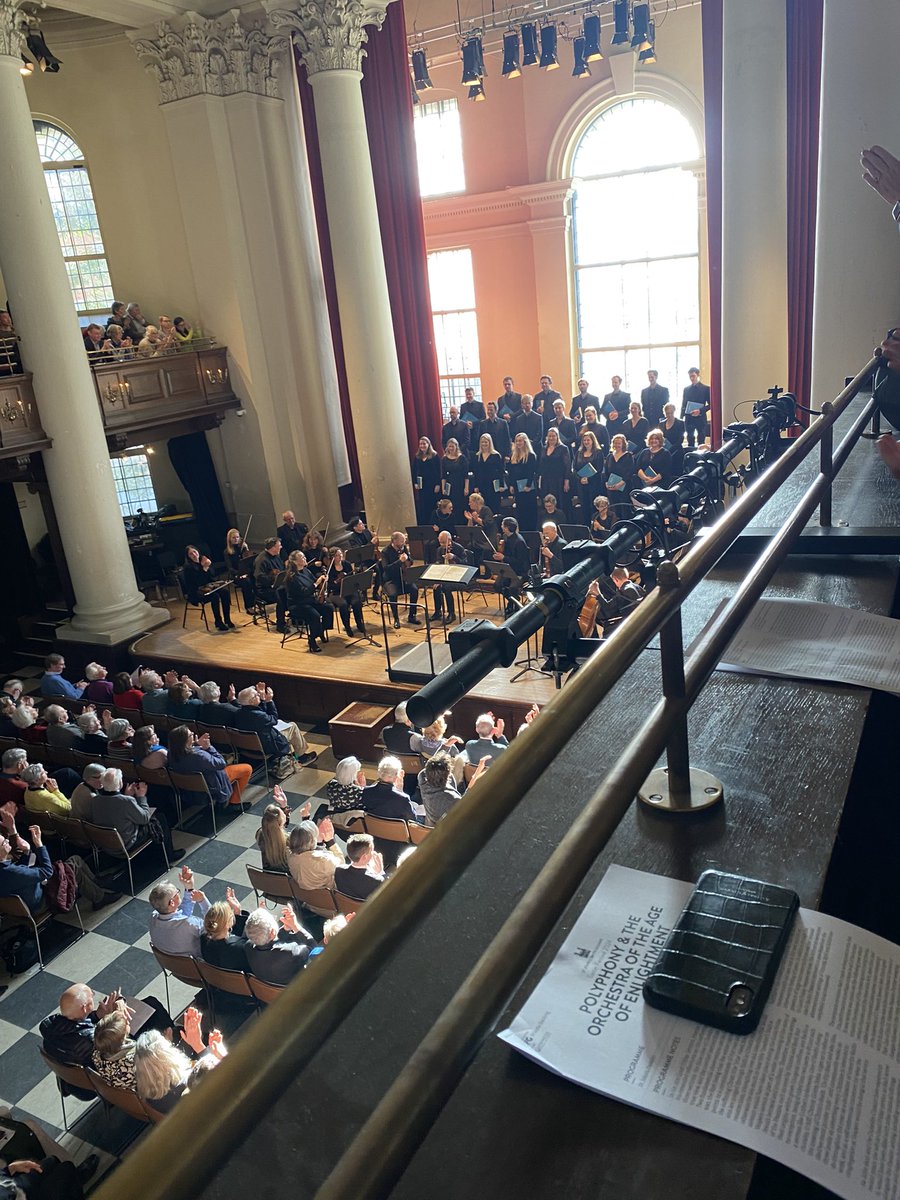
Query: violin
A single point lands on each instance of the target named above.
(322, 586)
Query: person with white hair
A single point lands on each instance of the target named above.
(174, 926)
(99, 689)
(23, 713)
(12, 785)
(42, 793)
(82, 799)
(62, 734)
(120, 732)
(313, 857)
(128, 811)
(9, 727)
(213, 709)
(93, 737)
(385, 797)
(344, 793)
(276, 955)
(258, 714)
(488, 743)
(396, 737)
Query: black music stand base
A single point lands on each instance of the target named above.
(705, 791)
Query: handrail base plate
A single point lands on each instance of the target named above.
(705, 791)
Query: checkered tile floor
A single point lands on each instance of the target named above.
(115, 953)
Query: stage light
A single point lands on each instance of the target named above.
(647, 57)
(27, 67)
(529, 44)
(476, 91)
(581, 70)
(40, 51)
(511, 68)
(620, 17)
(549, 60)
(473, 60)
(641, 22)
(413, 92)
(592, 51)
(420, 71)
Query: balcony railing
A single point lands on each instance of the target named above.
(21, 432)
(138, 391)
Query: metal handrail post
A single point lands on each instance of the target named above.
(826, 466)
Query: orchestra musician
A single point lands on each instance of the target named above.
(305, 607)
(480, 516)
(198, 580)
(602, 519)
(292, 532)
(337, 572)
(314, 549)
(455, 474)
(551, 549)
(443, 517)
(395, 558)
(362, 536)
(239, 560)
(449, 553)
(522, 473)
(512, 549)
(426, 477)
(267, 566)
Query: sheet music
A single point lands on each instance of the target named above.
(815, 1086)
(804, 640)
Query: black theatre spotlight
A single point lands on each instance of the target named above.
(476, 91)
(648, 57)
(511, 68)
(27, 67)
(641, 20)
(420, 71)
(592, 51)
(549, 60)
(41, 52)
(580, 70)
(473, 61)
(529, 44)
(414, 93)
(620, 18)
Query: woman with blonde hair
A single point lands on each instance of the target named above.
(523, 467)
(222, 941)
(426, 477)
(455, 476)
(271, 838)
(161, 1071)
(239, 560)
(555, 471)
(431, 740)
(618, 470)
(487, 470)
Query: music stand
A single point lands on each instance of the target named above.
(358, 555)
(454, 576)
(575, 533)
(353, 590)
(421, 535)
(473, 537)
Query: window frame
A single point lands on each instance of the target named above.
(124, 495)
(419, 117)
(458, 381)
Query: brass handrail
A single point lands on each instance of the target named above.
(253, 1076)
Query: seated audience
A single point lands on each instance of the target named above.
(54, 684)
(133, 322)
(174, 927)
(344, 793)
(155, 690)
(19, 712)
(439, 789)
(272, 839)
(396, 737)
(193, 755)
(93, 738)
(68, 1035)
(330, 930)
(120, 734)
(146, 750)
(151, 344)
(490, 742)
(12, 785)
(276, 956)
(112, 1056)
(258, 714)
(62, 734)
(365, 871)
(42, 794)
(384, 798)
(98, 690)
(184, 334)
(432, 739)
(161, 1071)
(119, 345)
(213, 709)
(82, 799)
(129, 813)
(125, 694)
(19, 879)
(8, 725)
(222, 942)
(313, 857)
(182, 703)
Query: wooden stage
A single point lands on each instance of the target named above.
(315, 687)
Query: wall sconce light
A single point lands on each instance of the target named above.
(620, 18)
(27, 67)
(217, 376)
(592, 51)
(420, 71)
(529, 44)
(118, 393)
(511, 68)
(549, 60)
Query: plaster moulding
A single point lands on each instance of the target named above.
(528, 202)
(330, 34)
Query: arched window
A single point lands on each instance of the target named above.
(635, 243)
(75, 214)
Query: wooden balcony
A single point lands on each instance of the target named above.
(21, 433)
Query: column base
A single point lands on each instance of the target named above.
(105, 630)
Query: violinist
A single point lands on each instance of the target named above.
(551, 549)
(455, 474)
(303, 589)
(449, 553)
(199, 584)
(291, 533)
(479, 516)
(443, 517)
(313, 548)
(239, 560)
(266, 568)
(602, 519)
(654, 465)
(361, 536)
(512, 549)
(426, 477)
(337, 572)
(395, 559)
(523, 480)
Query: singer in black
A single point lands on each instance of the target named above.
(619, 471)
(695, 406)
(449, 553)
(455, 474)
(302, 594)
(555, 471)
(588, 473)
(488, 475)
(426, 477)
(395, 559)
(614, 408)
(335, 576)
(198, 579)
(522, 473)
(457, 429)
(581, 402)
(654, 399)
(512, 549)
(654, 464)
(673, 432)
(497, 430)
(592, 425)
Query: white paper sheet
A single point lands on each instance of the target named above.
(804, 640)
(817, 1086)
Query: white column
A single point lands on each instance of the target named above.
(857, 296)
(109, 608)
(330, 35)
(754, 202)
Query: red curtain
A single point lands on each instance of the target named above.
(389, 119)
(711, 17)
(803, 74)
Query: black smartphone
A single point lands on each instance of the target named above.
(720, 960)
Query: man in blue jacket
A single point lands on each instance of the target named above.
(52, 682)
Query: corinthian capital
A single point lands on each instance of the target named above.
(330, 34)
(12, 29)
(219, 56)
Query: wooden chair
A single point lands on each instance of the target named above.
(159, 777)
(64, 758)
(182, 967)
(233, 982)
(19, 913)
(71, 830)
(388, 829)
(220, 738)
(418, 833)
(249, 747)
(316, 898)
(67, 1073)
(276, 886)
(194, 785)
(105, 837)
(347, 904)
(127, 767)
(128, 1101)
(412, 763)
(265, 993)
(132, 715)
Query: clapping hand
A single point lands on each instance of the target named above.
(498, 728)
(35, 834)
(215, 1043)
(533, 712)
(326, 830)
(230, 694)
(305, 810)
(192, 1032)
(881, 171)
(289, 921)
(231, 900)
(281, 799)
(186, 875)
(205, 563)
(483, 764)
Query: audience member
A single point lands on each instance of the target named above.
(489, 742)
(213, 709)
(276, 956)
(272, 839)
(93, 738)
(133, 322)
(42, 793)
(151, 344)
(155, 690)
(439, 789)
(330, 930)
(12, 785)
(125, 694)
(257, 714)
(161, 1071)
(54, 684)
(365, 871)
(344, 793)
(184, 334)
(222, 942)
(396, 737)
(99, 690)
(182, 703)
(146, 750)
(112, 1055)
(19, 879)
(384, 797)
(129, 813)
(120, 734)
(190, 754)
(82, 799)
(174, 927)
(69, 1034)
(313, 857)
